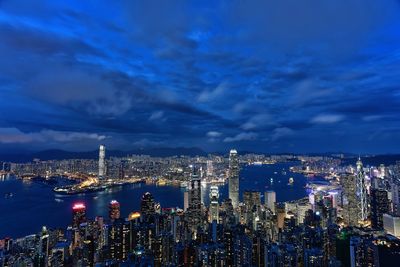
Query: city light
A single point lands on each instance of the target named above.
(79, 206)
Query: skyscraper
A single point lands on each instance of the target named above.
(234, 178)
(252, 203)
(102, 163)
(119, 239)
(194, 209)
(379, 206)
(210, 169)
(78, 214)
(270, 199)
(214, 205)
(185, 201)
(147, 207)
(351, 207)
(361, 192)
(114, 210)
(395, 186)
(391, 224)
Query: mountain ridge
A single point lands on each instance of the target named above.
(58, 154)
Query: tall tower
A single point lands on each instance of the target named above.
(210, 169)
(234, 178)
(194, 193)
(214, 205)
(102, 163)
(270, 200)
(361, 192)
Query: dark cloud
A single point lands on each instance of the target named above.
(259, 75)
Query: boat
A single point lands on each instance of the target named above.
(291, 181)
(8, 195)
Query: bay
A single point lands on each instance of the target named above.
(35, 204)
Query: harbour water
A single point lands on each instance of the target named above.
(34, 204)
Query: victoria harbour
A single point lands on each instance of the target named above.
(40, 206)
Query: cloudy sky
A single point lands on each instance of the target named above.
(270, 76)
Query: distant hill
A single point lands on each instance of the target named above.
(373, 160)
(57, 154)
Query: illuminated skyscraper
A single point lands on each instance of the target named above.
(114, 210)
(214, 205)
(379, 206)
(102, 163)
(147, 207)
(361, 192)
(78, 214)
(119, 240)
(391, 224)
(234, 178)
(270, 199)
(210, 168)
(185, 201)
(252, 203)
(194, 209)
(44, 245)
(395, 186)
(351, 208)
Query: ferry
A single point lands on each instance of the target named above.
(8, 195)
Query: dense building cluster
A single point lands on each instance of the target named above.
(352, 220)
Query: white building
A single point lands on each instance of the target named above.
(270, 200)
(102, 162)
(185, 201)
(391, 224)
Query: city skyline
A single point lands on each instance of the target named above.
(309, 211)
(227, 133)
(318, 77)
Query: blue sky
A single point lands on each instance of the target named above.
(298, 76)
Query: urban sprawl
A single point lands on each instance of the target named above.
(350, 219)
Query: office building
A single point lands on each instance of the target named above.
(102, 162)
(391, 224)
(270, 200)
(214, 205)
(114, 211)
(379, 206)
(78, 214)
(234, 178)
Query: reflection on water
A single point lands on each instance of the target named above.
(34, 204)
